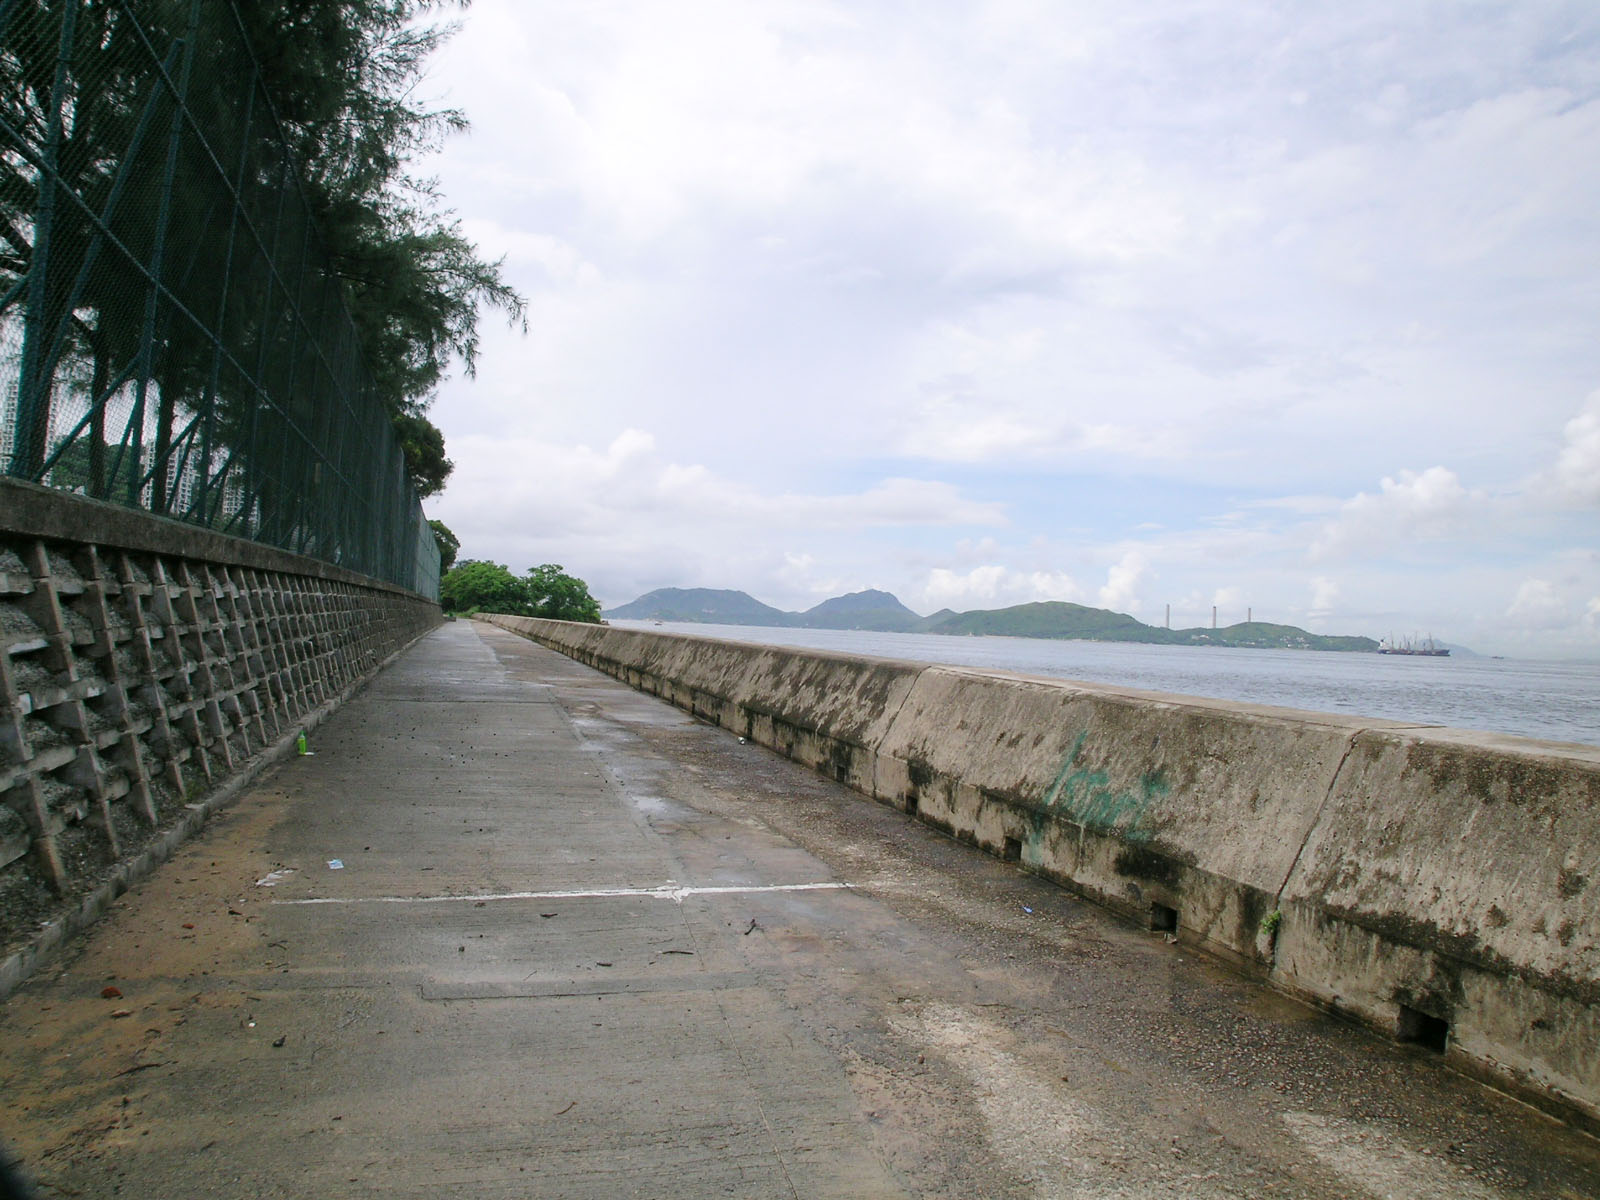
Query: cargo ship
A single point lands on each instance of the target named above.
(1425, 648)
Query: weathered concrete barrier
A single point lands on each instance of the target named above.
(1439, 885)
(145, 666)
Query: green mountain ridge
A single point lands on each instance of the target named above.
(878, 611)
(882, 612)
(710, 606)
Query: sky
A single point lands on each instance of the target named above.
(1284, 308)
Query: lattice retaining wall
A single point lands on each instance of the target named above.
(133, 682)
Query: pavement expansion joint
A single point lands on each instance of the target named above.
(669, 891)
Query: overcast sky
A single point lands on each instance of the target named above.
(1279, 305)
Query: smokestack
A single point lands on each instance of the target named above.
(1169, 616)
(1213, 616)
(1249, 616)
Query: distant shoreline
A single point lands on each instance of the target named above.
(1052, 620)
(1539, 698)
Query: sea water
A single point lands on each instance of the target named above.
(1554, 700)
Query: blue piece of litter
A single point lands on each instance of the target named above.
(1027, 910)
(335, 864)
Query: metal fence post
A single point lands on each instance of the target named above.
(35, 382)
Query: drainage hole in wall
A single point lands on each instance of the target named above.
(911, 804)
(1013, 850)
(1163, 919)
(1431, 1033)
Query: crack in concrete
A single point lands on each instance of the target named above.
(1333, 782)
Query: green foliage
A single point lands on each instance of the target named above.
(449, 544)
(423, 446)
(416, 286)
(1056, 619)
(554, 594)
(486, 586)
(344, 77)
(1050, 619)
(546, 591)
(83, 467)
(91, 128)
(1261, 634)
(194, 197)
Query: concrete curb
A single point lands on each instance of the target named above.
(35, 510)
(1438, 885)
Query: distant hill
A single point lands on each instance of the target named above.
(882, 612)
(1264, 635)
(712, 606)
(1051, 619)
(874, 610)
(861, 610)
(1057, 619)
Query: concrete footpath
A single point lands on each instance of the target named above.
(517, 931)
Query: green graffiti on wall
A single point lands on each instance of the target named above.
(1087, 797)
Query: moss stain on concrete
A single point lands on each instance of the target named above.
(1087, 797)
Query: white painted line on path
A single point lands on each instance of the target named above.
(670, 891)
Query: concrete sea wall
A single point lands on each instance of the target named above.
(1438, 885)
(147, 668)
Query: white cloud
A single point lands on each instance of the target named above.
(1577, 469)
(969, 429)
(1537, 605)
(1171, 284)
(1560, 604)
(1227, 601)
(629, 513)
(991, 586)
(514, 479)
(1413, 507)
(1121, 590)
(1324, 597)
(559, 260)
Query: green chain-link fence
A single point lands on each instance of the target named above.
(171, 335)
